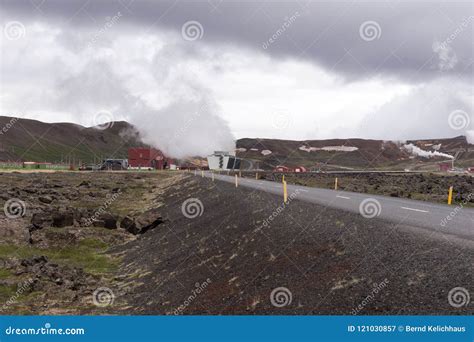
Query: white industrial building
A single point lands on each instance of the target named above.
(223, 161)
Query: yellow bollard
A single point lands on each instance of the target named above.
(335, 184)
(285, 192)
(450, 195)
(283, 179)
(236, 181)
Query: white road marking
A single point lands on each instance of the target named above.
(343, 197)
(412, 209)
(304, 190)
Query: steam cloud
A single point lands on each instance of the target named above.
(470, 136)
(416, 151)
(184, 128)
(183, 124)
(447, 58)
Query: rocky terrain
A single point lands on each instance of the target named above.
(174, 243)
(418, 186)
(55, 231)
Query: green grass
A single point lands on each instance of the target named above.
(6, 292)
(87, 254)
(4, 273)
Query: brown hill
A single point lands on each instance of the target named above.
(32, 140)
(351, 153)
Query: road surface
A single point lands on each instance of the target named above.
(446, 219)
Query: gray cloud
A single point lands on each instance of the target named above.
(324, 33)
(77, 66)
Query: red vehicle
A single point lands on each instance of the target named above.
(147, 157)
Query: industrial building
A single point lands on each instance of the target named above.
(148, 158)
(223, 161)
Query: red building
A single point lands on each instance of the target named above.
(145, 157)
(445, 167)
(300, 169)
(282, 168)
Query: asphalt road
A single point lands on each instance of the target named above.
(452, 220)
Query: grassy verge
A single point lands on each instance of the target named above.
(87, 254)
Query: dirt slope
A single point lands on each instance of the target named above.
(228, 261)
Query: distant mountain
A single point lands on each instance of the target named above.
(346, 154)
(32, 140)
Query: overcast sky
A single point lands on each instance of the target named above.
(223, 69)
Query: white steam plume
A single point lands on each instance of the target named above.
(447, 58)
(416, 151)
(187, 124)
(184, 128)
(470, 136)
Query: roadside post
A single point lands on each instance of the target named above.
(212, 173)
(450, 195)
(256, 175)
(335, 184)
(202, 173)
(236, 181)
(285, 192)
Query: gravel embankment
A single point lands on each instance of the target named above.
(229, 259)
